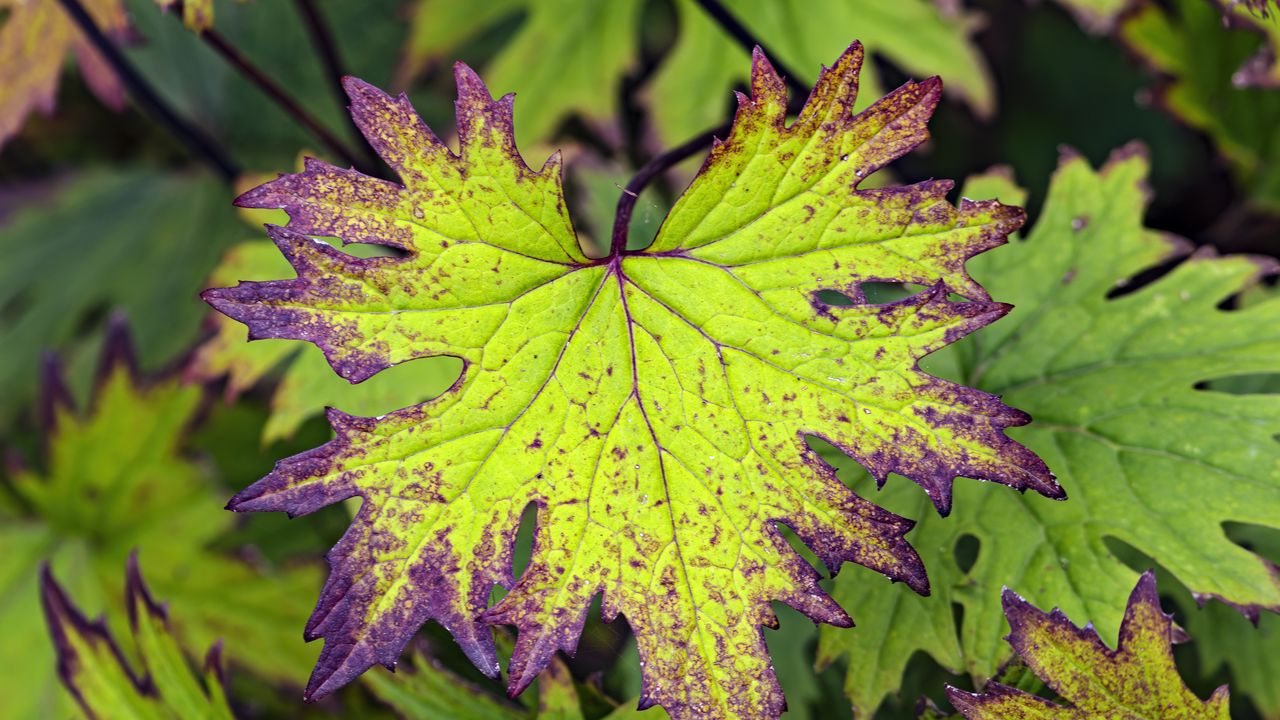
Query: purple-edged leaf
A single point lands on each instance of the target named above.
(1136, 680)
(116, 478)
(105, 684)
(652, 405)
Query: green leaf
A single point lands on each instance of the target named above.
(1112, 385)
(307, 385)
(1251, 654)
(1202, 61)
(35, 38)
(594, 45)
(1136, 680)
(430, 691)
(142, 243)
(115, 480)
(94, 669)
(917, 36)
(651, 405)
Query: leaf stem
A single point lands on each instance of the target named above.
(276, 93)
(323, 42)
(646, 175)
(195, 139)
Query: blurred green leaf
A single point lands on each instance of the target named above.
(106, 685)
(134, 240)
(115, 479)
(690, 92)
(1201, 58)
(567, 57)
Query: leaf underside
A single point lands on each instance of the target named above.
(651, 405)
(1136, 680)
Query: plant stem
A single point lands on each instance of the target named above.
(327, 49)
(273, 90)
(195, 140)
(727, 22)
(646, 174)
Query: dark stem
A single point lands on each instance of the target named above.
(655, 167)
(327, 49)
(727, 22)
(195, 140)
(646, 175)
(277, 94)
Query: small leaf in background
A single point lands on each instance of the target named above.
(918, 36)
(196, 14)
(115, 479)
(138, 241)
(35, 38)
(1136, 680)
(308, 384)
(1202, 62)
(105, 684)
(656, 428)
(1113, 385)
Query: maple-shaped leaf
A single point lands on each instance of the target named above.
(1137, 679)
(105, 684)
(307, 384)
(1113, 385)
(596, 45)
(116, 479)
(35, 38)
(652, 405)
(1208, 68)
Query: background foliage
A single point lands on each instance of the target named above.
(106, 221)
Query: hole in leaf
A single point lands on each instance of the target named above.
(966, 551)
(1246, 384)
(1144, 278)
(522, 551)
(1132, 557)
(832, 297)
(1259, 539)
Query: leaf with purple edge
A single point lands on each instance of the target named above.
(652, 405)
(306, 385)
(104, 684)
(1137, 680)
(1114, 385)
(35, 38)
(1209, 84)
(116, 478)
